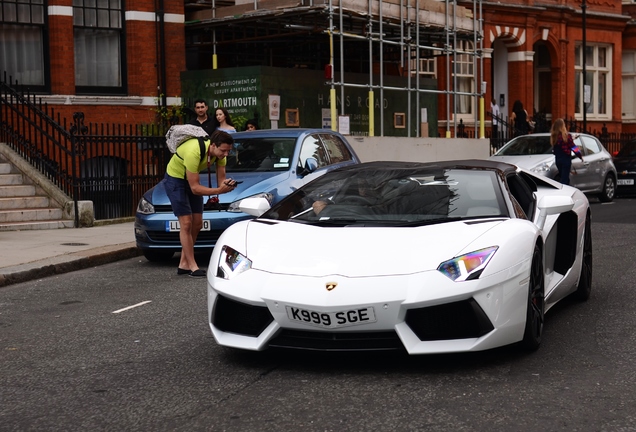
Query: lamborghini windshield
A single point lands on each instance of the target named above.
(394, 197)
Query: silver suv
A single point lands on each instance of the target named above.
(596, 174)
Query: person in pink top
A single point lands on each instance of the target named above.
(562, 147)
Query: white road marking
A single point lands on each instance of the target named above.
(133, 306)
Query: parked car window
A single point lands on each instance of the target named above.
(336, 149)
(260, 154)
(591, 145)
(312, 147)
(628, 150)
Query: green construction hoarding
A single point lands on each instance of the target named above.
(283, 98)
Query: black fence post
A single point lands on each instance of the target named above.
(77, 128)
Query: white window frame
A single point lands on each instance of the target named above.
(427, 69)
(465, 64)
(628, 87)
(596, 72)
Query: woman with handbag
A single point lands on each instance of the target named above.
(562, 147)
(185, 191)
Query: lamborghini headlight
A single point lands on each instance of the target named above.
(235, 206)
(145, 206)
(232, 263)
(542, 168)
(468, 266)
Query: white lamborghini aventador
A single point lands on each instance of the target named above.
(427, 257)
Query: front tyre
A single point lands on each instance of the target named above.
(584, 288)
(609, 189)
(535, 311)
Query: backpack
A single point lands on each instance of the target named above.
(178, 134)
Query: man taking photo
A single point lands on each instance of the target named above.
(185, 191)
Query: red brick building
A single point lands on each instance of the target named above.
(533, 52)
(117, 61)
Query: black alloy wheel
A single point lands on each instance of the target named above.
(584, 288)
(536, 303)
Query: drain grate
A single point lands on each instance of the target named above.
(74, 244)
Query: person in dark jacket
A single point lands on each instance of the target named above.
(562, 147)
(202, 120)
(519, 119)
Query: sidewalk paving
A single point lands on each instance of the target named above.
(28, 255)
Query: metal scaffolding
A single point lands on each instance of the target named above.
(414, 29)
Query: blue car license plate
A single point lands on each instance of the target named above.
(173, 226)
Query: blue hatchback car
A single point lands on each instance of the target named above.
(270, 163)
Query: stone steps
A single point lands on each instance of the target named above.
(23, 207)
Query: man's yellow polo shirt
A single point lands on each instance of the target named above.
(188, 157)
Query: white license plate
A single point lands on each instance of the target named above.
(331, 319)
(174, 226)
(625, 182)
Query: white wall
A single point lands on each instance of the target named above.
(418, 149)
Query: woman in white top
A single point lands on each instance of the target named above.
(223, 121)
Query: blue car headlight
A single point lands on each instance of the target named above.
(468, 266)
(235, 206)
(232, 263)
(145, 207)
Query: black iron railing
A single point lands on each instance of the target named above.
(111, 165)
(29, 127)
(117, 164)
